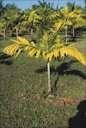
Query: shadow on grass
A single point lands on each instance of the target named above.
(78, 35)
(72, 39)
(79, 120)
(60, 71)
(5, 59)
(77, 73)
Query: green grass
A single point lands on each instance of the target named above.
(23, 88)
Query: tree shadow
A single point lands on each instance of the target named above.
(78, 35)
(41, 70)
(59, 71)
(79, 120)
(72, 39)
(81, 30)
(5, 59)
(63, 69)
(77, 73)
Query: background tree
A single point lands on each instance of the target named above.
(45, 10)
(71, 16)
(2, 9)
(64, 15)
(2, 21)
(3, 27)
(10, 16)
(70, 6)
(76, 23)
(32, 20)
(18, 25)
(40, 18)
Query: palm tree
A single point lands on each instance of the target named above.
(49, 46)
(2, 9)
(3, 26)
(68, 16)
(10, 16)
(32, 20)
(63, 15)
(71, 6)
(18, 25)
(77, 22)
(45, 10)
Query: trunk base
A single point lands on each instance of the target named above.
(50, 96)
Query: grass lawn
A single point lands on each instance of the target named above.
(23, 90)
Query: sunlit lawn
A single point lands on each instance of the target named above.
(23, 90)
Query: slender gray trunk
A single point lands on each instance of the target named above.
(73, 32)
(10, 33)
(4, 34)
(66, 34)
(49, 82)
(31, 32)
(17, 33)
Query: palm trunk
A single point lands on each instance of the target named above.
(49, 82)
(66, 33)
(31, 31)
(17, 33)
(10, 33)
(73, 32)
(4, 34)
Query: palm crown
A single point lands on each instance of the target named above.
(49, 45)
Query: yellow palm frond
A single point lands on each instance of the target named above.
(32, 52)
(68, 23)
(64, 11)
(44, 48)
(34, 17)
(18, 52)
(38, 54)
(49, 56)
(56, 53)
(11, 49)
(22, 40)
(43, 54)
(54, 15)
(52, 54)
(14, 49)
(57, 26)
(71, 51)
(72, 14)
(44, 38)
(33, 44)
